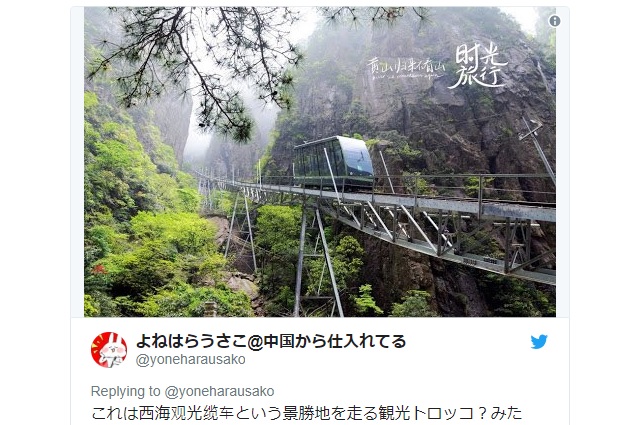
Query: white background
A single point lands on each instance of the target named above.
(35, 213)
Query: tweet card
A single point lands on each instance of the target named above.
(320, 214)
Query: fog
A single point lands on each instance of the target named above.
(264, 114)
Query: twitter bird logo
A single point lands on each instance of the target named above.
(538, 342)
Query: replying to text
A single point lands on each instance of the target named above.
(172, 392)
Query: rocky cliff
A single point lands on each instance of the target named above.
(444, 96)
(171, 112)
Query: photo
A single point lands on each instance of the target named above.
(319, 162)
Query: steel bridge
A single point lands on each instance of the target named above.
(484, 221)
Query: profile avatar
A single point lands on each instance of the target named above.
(108, 349)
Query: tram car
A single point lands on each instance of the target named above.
(346, 158)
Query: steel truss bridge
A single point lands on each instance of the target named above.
(484, 221)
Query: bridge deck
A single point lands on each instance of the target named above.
(393, 217)
(483, 208)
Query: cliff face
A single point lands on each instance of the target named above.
(171, 112)
(415, 88)
(405, 78)
(172, 115)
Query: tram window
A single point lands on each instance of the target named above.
(337, 158)
(305, 163)
(298, 168)
(322, 161)
(314, 162)
(357, 160)
(329, 156)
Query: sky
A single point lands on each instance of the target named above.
(525, 16)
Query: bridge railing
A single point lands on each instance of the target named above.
(535, 189)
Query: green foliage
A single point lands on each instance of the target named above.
(120, 177)
(546, 35)
(100, 304)
(90, 100)
(183, 232)
(164, 248)
(356, 120)
(186, 180)
(189, 200)
(401, 147)
(479, 98)
(278, 228)
(472, 185)
(346, 260)
(483, 243)
(224, 203)
(184, 300)
(371, 143)
(147, 252)
(418, 185)
(282, 303)
(277, 235)
(104, 239)
(266, 162)
(90, 309)
(161, 154)
(510, 297)
(407, 153)
(211, 267)
(365, 305)
(415, 304)
(140, 271)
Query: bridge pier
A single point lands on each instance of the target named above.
(327, 257)
(241, 226)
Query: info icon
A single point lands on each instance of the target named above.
(108, 349)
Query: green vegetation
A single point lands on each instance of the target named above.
(188, 301)
(147, 251)
(472, 185)
(546, 35)
(278, 229)
(414, 304)
(418, 185)
(401, 147)
(346, 259)
(510, 297)
(224, 202)
(278, 239)
(365, 305)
